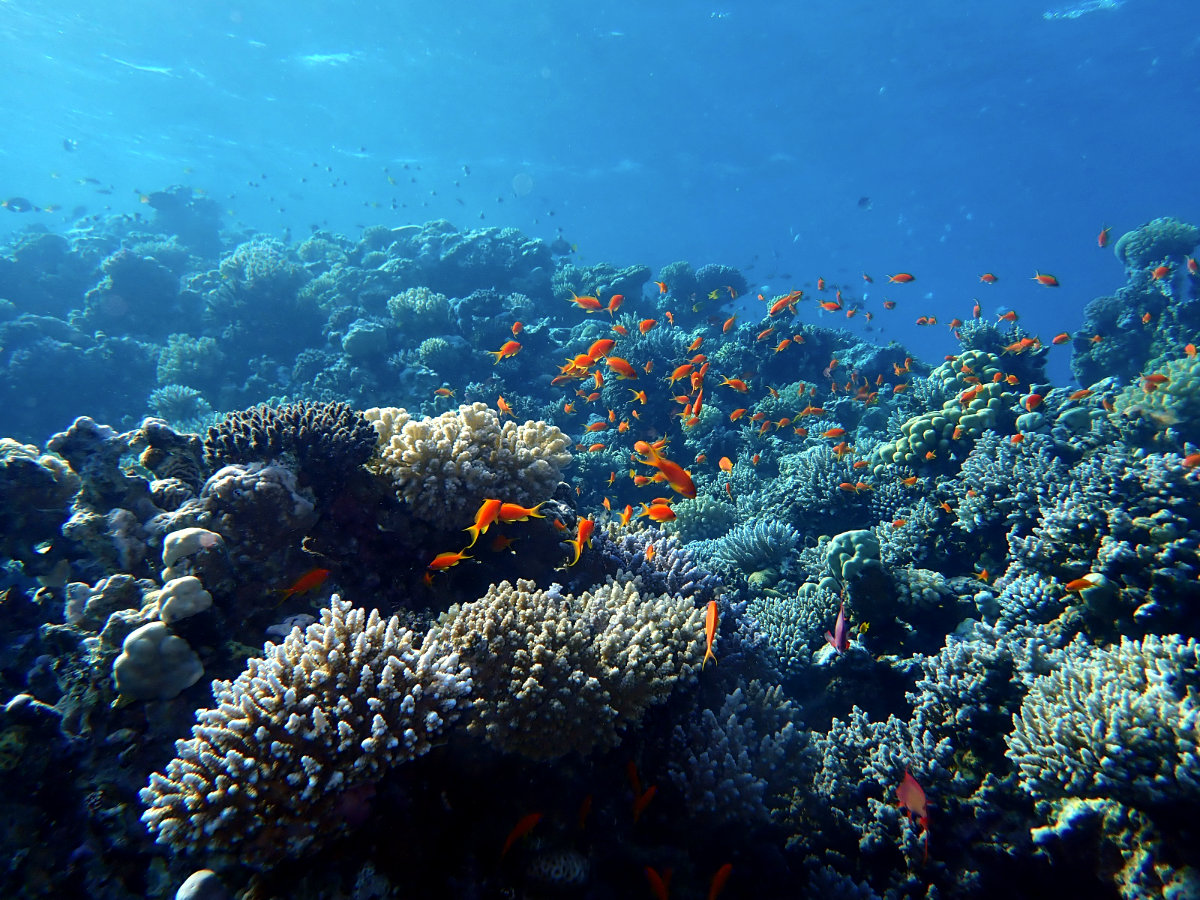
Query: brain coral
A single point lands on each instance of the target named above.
(559, 672)
(447, 465)
(267, 773)
(1117, 723)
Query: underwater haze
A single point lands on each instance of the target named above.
(610, 450)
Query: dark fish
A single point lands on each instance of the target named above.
(17, 204)
(864, 202)
(70, 145)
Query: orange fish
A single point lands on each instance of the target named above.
(1080, 584)
(1189, 351)
(311, 579)
(641, 801)
(662, 286)
(516, 328)
(1080, 394)
(725, 464)
(1102, 237)
(830, 305)
(737, 414)
(501, 542)
(660, 885)
(988, 278)
(1033, 401)
(600, 348)
(588, 304)
(1016, 438)
(1193, 267)
(737, 384)
(502, 405)
(901, 278)
(1044, 279)
(729, 323)
(621, 330)
(1060, 338)
(622, 367)
(646, 324)
(1160, 272)
(909, 481)
(509, 348)
(676, 476)
(657, 512)
(486, 516)
(670, 316)
(889, 304)
(1146, 318)
(1151, 382)
(763, 335)
(695, 345)
(444, 561)
(582, 536)
(1009, 316)
(614, 303)
(834, 433)
(513, 512)
(523, 827)
(710, 632)
(680, 372)
(595, 448)
(443, 392)
(626, 514)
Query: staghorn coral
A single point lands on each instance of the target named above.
(323, 440)
(794, 627)
(1119, 722)
(319, 717)
(732, 763)
(578, 667)
(445, 466)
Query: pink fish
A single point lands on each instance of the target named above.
(911, 797)
(839, 640)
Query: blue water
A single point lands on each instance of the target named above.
(988, 137)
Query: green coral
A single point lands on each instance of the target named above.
(852, 554)
(438, 354)
(702, 519)
(182, 407)
(195, 361)
(933, 430)
(1156, 241)
(420, 305)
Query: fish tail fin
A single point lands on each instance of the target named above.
(474, 531)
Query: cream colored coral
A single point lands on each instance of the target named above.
(445, 466)
(558, 673)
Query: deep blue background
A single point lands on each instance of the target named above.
(987, 137)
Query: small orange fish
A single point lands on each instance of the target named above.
(1045, 280)
(502, 405)
(311, 579)
(737, 414)
(443, 392)
(660, 885)
(657, 512)
(600, 348)
(901, 278)
(622, 367)
(1096, 338)
(1160, 272)
(1016, 438)
(523, 827)
(614, 303)
(1102, 237)
(516, 328)
(509, 348)
(695, 345)
(621, 330)
(729, 323)
(976, 310)
(662, 286)
(1060, 338)
(764, 334)
(834, 433)
(717, 884)
(755, 458)
(1193, 267)
(444, 561)
(587, 304)
(646, 324)
(1033, 401)
(909, 481)
(1080, 394)
(595, 448)
(501, 543)
(626, 514)
(1151, 382)
(889, 304)
(1146, 318)
(670, 316)
(1009, 316)
(725, 464)
(642, 801)
(988, 278)
(737, 384)
(583, 535)
(513, 512)
(711, 618)
(486, 516)
(1080, 584)
(830, 305)
(899, 523)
